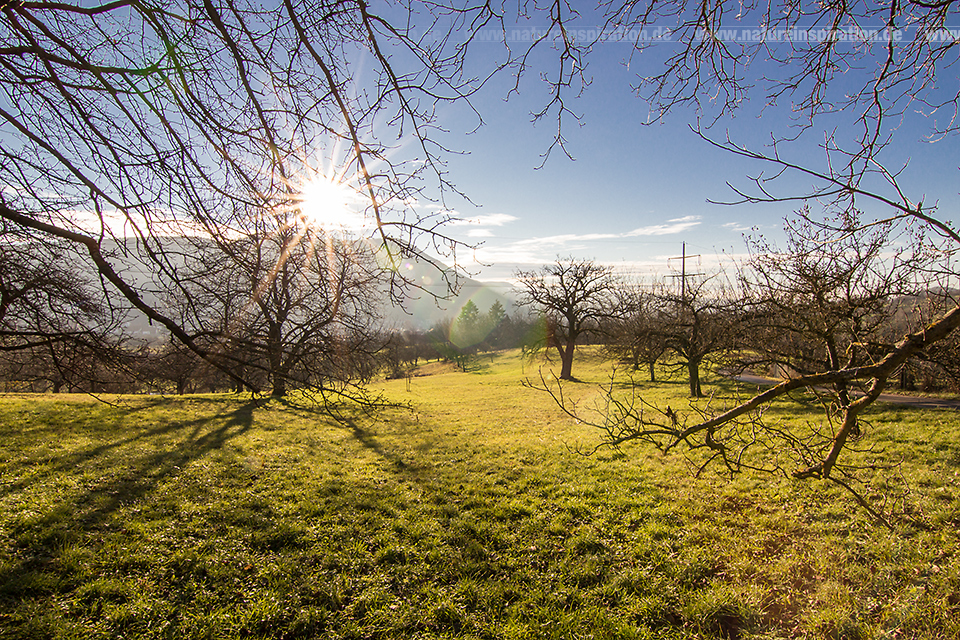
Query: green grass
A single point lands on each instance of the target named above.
(469, 515)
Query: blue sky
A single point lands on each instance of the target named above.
(635, 193)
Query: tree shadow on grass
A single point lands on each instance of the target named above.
(189, 430)
(369, 441)
(124, 470)
(354, 416)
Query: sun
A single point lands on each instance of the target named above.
(329, 205)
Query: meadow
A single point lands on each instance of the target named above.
(466, 513)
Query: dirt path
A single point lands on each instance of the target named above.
(920, 402)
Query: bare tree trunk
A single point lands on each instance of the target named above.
(566, 362)
(693, 371)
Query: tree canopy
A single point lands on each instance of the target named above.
(574, 296)
(140, 121)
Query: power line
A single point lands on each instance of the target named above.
(683, 271)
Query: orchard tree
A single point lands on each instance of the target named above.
(638, 336)
(696, 324)
(43, 299)
(127, 123)
(852, 94)
(825, 304)
(575, 296)
(293, 301)
(56, 327)
(172, 363)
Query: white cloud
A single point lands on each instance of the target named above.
(489, 220)
(674, 225)
(569, 238)
(508, 257)
(500, 260)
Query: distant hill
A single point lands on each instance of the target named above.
(424, 308)
(421, 310)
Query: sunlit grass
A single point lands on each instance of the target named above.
(468, 514)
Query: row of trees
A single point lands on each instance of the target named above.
(133, 366)
(823, 301)
(282, 304)
(308, 321)
(818, 304)
(835, 312)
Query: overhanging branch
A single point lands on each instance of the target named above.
(107, 271)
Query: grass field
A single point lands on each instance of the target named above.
(467, 515)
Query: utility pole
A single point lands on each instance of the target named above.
(683, 271)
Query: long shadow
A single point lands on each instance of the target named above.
(348, 417)
(74, 459)
(354, 417)
(39, 543)
(368, 440)
(351, 417)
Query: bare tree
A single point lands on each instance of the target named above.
(42, 299)
(575, 296)
(56, 328)
(293, 301)
(681, 330)
(171, 363)
(144, 120)
(697, 323)
(888, 56)
(637, 336)
(937, 367)
(822, 305)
